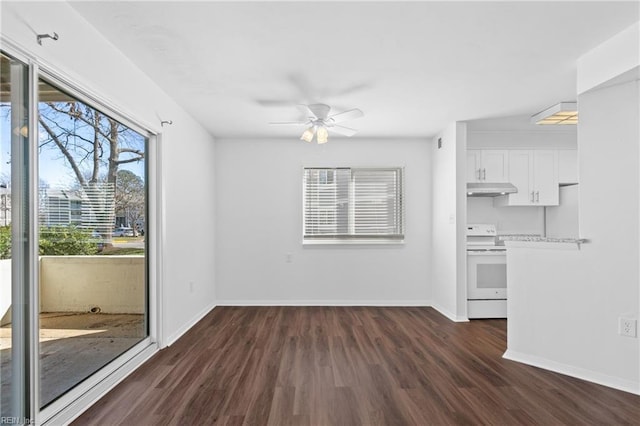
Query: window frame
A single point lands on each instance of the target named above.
(351, 237)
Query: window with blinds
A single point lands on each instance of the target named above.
(353, 204)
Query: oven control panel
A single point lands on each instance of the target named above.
(483, 234)
(482, 229)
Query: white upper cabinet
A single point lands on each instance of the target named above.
(474, 171)
(521, 176)
(495, 165)
(545, 177)
(535, 174)
(567, 166)
(487, 165)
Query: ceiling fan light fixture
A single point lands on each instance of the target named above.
(562, 113)
(319, 123)
(322, 134)
(307, 135)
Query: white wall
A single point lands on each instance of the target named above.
(608, 61)
(562, 315)
(84, 57)
(562, 220)
(508, 220)
(259, 223)
(449, 221)
(515, 139)
(612, 115)
(564, 305)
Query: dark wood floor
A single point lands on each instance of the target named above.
(350, 366)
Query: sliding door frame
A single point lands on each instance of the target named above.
(74, 402)
(24, 240)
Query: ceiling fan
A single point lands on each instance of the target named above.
(319, 123)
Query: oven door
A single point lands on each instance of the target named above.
(486, 275)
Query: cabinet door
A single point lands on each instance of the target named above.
(546, 177)
(495, 165)
(473, 165)
(521, 175)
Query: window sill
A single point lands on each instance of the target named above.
(351, 242)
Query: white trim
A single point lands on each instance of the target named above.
(297, 302)
(569, 370)
(74, 409)
(170, 340)
(24, 279)
(33, 241)
(447, 313)
(156, 244)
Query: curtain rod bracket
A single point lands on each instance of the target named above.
(163, 122)
(41, 36)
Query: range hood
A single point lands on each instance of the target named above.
(490, 189)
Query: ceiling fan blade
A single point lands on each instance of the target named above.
(275, 102)
(351, 89)
(289, 123)
(302, 85)
(342, 130)
(351, 114)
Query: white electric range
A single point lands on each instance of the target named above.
(486, 273)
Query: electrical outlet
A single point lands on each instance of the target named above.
(288, 258)
(628, 327)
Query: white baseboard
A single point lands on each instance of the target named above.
(447, 313)
(169, 340)
(390, 303)
(569, 370)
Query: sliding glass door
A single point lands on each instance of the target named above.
(74, 232)
(91, 219)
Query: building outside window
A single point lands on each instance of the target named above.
(353, 204)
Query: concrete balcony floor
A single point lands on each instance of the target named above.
(72, 347)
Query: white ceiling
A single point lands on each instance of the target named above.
(411, 67)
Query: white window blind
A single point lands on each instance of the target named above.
(353, 204)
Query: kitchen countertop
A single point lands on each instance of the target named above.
(537, 241)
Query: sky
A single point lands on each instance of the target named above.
(53, 169)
